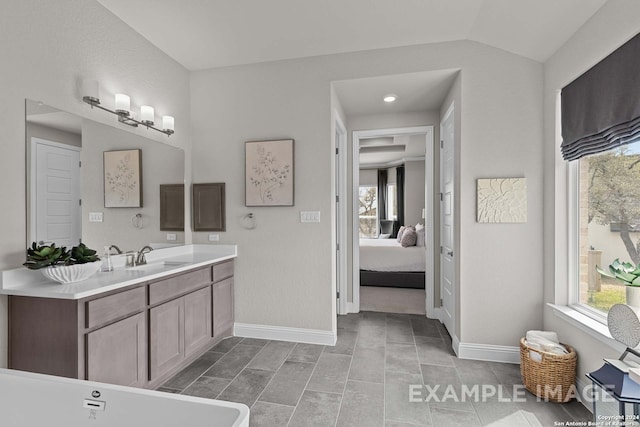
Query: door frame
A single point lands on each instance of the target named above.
(35, 141)
(429, 209)
(454, 290)
(340, 249)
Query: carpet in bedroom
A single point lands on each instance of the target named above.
(392, 300)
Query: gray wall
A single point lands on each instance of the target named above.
(501, 97)
(46, 50)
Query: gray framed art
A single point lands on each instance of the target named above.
(269, 173)
(123, 179)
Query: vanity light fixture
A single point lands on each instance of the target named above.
(390, 97)
(91, 91)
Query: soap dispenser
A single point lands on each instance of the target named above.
(106, 260)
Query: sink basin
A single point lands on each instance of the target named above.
(157, 265)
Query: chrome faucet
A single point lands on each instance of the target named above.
(141, 260)
(116, 248)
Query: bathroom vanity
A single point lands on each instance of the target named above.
(131, 326)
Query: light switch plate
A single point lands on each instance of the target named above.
(309, 216)
(95, 216)
(214, 237)
(171, 236)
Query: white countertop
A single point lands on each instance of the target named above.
(32, 283)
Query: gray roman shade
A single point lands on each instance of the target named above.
(601, 108)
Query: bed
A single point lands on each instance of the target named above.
(384, 262)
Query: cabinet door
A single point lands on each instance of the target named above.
(117, 353)
(166, 344)
(222, 306)
(197, 320)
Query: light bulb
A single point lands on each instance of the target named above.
(123, 103)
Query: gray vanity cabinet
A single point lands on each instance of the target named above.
(166, 344)
(197, 320)
(117, 353)
(178, 328)
(222, 306)
(136, 336)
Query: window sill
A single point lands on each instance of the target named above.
(586, 324)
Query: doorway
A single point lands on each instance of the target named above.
(358, 137)
(340, 142)
(56, 211)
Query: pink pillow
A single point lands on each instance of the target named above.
(409, 237)
(400, 233)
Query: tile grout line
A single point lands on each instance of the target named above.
(241, 370)
(344, 389)
(274, 375)
(384, 375)
(205, 371)
(295, 408)
(415, 348)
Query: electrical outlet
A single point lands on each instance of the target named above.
(95, 216)
(214, 237)
(171, 236)
(309, 216)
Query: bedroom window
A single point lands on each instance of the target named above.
(608, 228)
(368, 211)
(392, 208)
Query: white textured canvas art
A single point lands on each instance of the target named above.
(502, 200)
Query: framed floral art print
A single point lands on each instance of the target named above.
(269, 173)
(123, 179)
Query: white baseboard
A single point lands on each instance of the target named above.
(491, 353)
(283, 333)
(351, 308)
(436, 313)
(611, 408)
(455, 343)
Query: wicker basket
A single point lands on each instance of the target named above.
(552, 378)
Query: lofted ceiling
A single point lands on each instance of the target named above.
(422, 91)
(202, 34)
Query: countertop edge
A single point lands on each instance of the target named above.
(42, 292)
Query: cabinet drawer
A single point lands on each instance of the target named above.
(103, 310)
(169, 288)
(222, 270)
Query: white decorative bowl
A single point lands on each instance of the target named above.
(72, 273)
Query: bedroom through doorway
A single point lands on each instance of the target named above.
(393, 220)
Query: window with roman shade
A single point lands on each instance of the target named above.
(601, 108)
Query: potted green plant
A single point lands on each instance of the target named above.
(62, 265)
(629, 275)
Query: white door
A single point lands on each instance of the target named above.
(338, 223)
(447, 232)
(341, 216)
(56, 209)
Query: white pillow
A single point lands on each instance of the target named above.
(419, 226)
(420, 237)
(384, 236)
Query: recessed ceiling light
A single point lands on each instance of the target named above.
(390, 98)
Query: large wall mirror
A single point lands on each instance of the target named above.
(66, 183)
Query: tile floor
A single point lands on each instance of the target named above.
(364, 380)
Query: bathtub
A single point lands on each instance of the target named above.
(28, 399)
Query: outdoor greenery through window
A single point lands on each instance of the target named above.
(609, 221)
(392, 209)
(368, 211)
